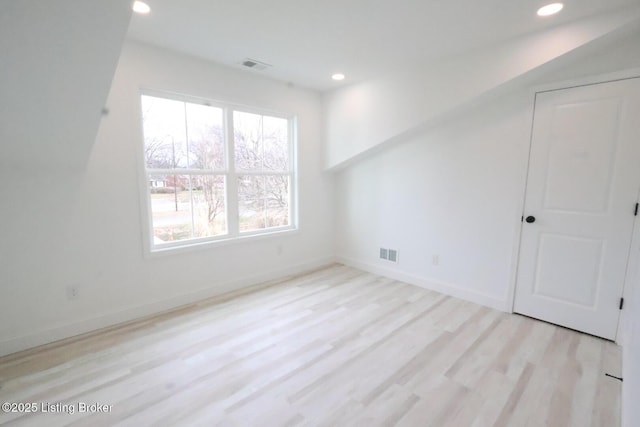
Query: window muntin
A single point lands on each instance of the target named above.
(215, 172)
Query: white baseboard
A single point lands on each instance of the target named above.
(13, 345)
(433, 285)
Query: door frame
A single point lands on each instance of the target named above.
(634, 256)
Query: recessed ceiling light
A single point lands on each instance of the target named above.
(550, 9)
(141, 7)
(338, 76)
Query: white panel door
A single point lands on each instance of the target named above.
(582, 186)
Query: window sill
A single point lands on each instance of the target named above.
(208, 244)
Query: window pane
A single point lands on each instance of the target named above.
(206, 137)
(263, 201)
(276, 144)
(247, 136)
(251, 202)
(209, 207)
(261, 142)
(164, 132)
(170, 208)
(277, 200)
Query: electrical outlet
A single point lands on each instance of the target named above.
(435, 260)
(72, 292)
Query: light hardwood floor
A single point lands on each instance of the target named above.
(335, 347)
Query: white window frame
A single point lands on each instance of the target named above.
(229, 172)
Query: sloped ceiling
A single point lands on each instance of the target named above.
(58, 58)
(408, 62)
(57, 62)
(308, 40)
(367, 116)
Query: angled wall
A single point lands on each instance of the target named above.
(367, 116)
(58, 59)
(454, 191)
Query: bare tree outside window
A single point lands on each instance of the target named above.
(262, 151)
(186, 147)
(188, 139)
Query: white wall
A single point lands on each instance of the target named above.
(456, 190)
(631, 341)
(83, 226)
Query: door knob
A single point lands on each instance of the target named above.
(530, 219)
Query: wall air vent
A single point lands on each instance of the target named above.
(389, 254)
(255, 65)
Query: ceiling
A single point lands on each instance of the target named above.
(306, 41)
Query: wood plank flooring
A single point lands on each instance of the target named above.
(335, 347)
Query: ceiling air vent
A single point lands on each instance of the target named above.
(255, 65)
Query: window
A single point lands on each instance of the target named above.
(215, 172)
